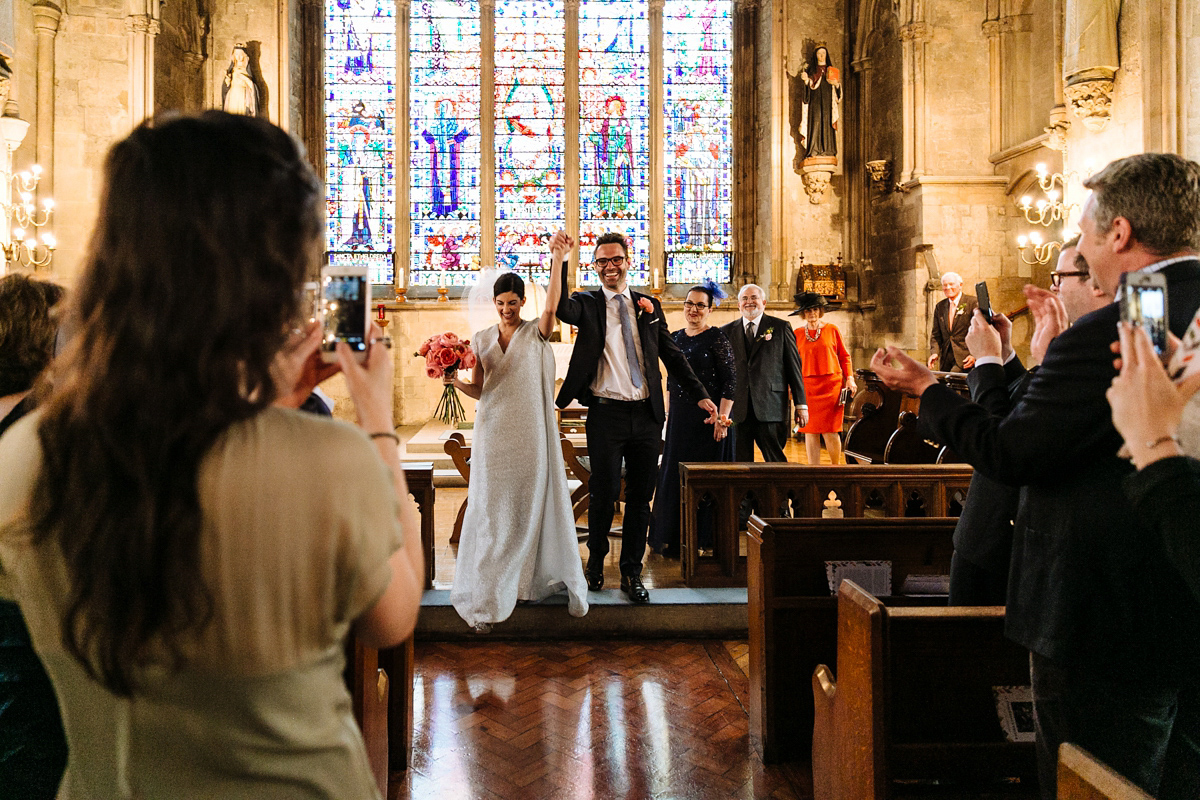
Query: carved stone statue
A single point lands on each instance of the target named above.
(818, 92)
(240, 93)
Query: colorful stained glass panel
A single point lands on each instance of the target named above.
(360, 124)
(529, 143)
(698, 150)
(614, 131)
(444, 142)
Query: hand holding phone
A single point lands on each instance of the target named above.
(345, 310)
(1144, 303)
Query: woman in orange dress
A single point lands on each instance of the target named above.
(826, 368)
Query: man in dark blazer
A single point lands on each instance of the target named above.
(1110, 623)
(768, 367)
(614, 372)
(948, 339)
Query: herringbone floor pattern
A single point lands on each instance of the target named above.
(577, 720)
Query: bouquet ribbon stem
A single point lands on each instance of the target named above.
(449, 408)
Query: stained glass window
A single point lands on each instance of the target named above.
(360, 140)
(444, 142)
(698, 151)
(613, 157)
(529, 143)
(614, 132)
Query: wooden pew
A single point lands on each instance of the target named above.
(913, 702)
(797, 490)
(793, 616)
(1082, 777)
(381, 691)
(880, 433)
(419, 477)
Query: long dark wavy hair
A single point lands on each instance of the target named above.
(207, 226)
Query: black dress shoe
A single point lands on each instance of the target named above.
(595, 579)
(632, 586)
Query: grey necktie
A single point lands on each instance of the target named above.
(749, 333)
(635, 372)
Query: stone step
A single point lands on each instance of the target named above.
(670, 614)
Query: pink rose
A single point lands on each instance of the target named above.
(468, 360)
(646, 305)
(434, 372)
(447, 357)
(424, 351)
(449, 339)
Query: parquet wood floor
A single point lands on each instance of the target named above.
(623, 720)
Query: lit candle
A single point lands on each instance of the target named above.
(654, 278)
(1022, 240)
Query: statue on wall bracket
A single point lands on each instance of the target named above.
(240, 90)
(815, 94)
(1091, 59)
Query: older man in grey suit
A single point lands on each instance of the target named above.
(768, 366)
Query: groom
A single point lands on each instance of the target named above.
(614, 372)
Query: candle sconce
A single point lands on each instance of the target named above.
(1033, 245)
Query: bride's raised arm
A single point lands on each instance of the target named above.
(560, 250)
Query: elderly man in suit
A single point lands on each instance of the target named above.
(614, 372)
(1111, 624)
(951, 319)
(768, 366)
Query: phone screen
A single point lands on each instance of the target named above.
(345, 305)
(1146, 306)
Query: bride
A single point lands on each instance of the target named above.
(518, 535)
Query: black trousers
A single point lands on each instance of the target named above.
(1146, 729)
(769, 436)
(616, 433)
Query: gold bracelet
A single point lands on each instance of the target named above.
(386, 435)
(1162, 440)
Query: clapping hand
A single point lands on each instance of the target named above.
(900, 372)
(1049, 319)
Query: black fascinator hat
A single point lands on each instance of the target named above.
(806, 300)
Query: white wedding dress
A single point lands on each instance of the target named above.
(518, 535)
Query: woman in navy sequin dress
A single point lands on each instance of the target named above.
(689, 438)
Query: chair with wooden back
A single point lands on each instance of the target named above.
(460, 454)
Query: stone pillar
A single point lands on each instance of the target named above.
(993, 29)
(143, 25)
(571, 131)
(914, 37)
(858, 186)
(487, 133)
(46, 16)
(744, 130)
(657, 136)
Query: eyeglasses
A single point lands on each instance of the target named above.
(1056, 277)
(697, 306)
(616, 261)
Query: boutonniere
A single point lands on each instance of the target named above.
(644, 306)
(765, 336)
(961, 308)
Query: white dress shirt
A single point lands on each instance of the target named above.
(613, 379)
(756, 321)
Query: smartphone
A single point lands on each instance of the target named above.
(345, 310)
(985, 300)
(1144, 303)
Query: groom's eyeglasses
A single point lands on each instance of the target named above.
(1056, 277)
(697, 306)
(616, 261)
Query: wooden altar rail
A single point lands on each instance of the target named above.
(715, 493)
(792, 615)
(419, 477)
(914, 701)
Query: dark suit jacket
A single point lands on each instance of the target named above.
(950, 341)
(586, 311)
(767, 371)
(1090, 583)
(984, 532)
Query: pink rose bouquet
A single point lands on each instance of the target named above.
(444, 355)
